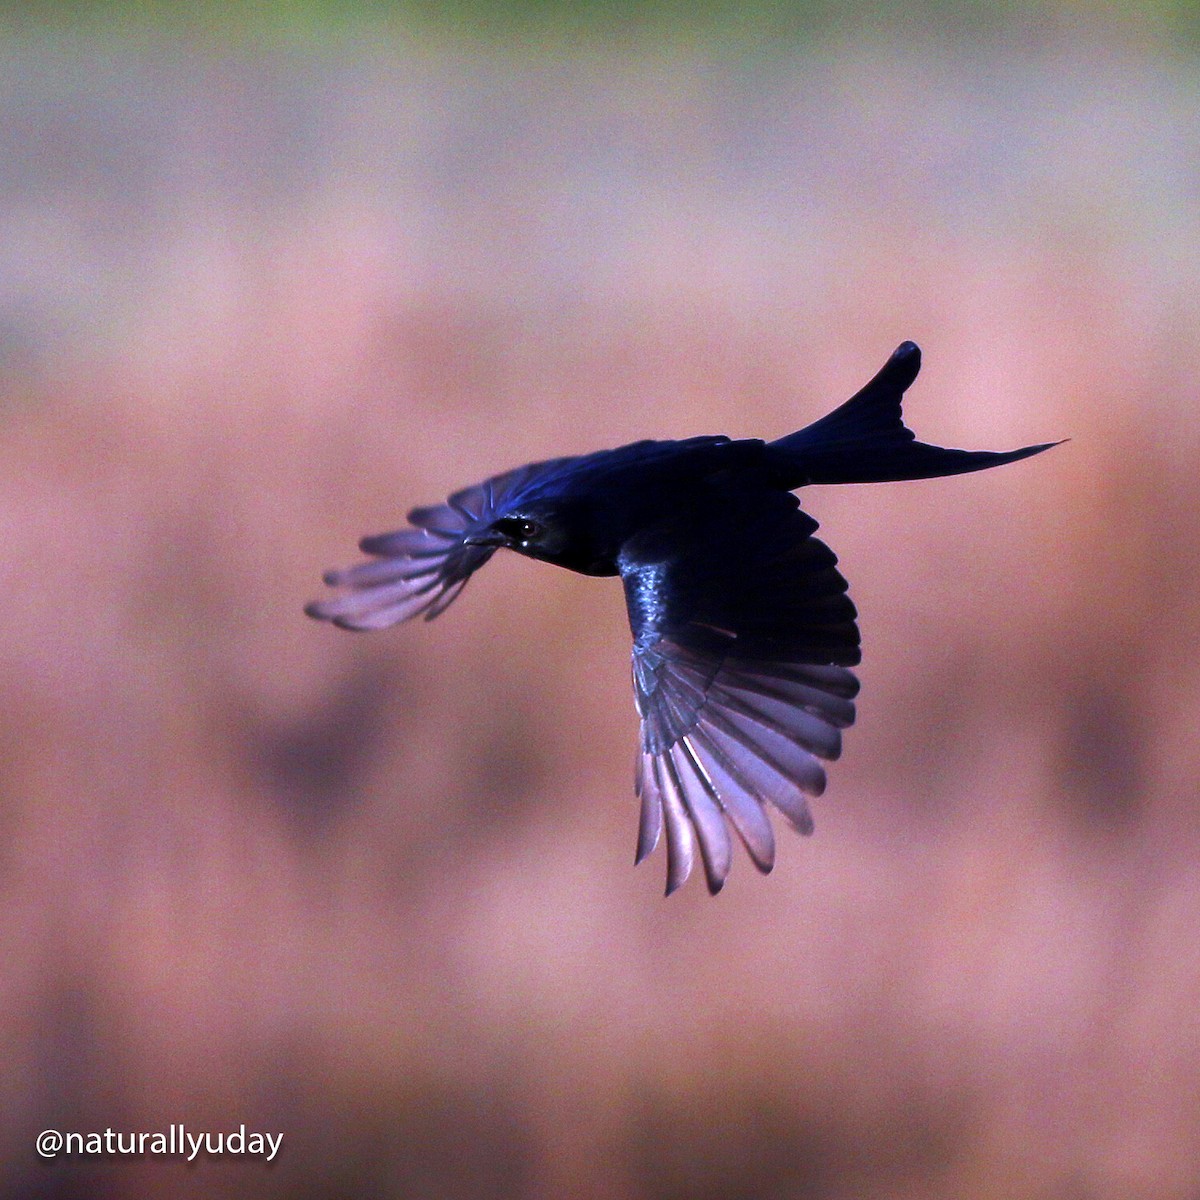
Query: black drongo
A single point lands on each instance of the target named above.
(743, 634)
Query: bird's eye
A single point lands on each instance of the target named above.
(520, 529)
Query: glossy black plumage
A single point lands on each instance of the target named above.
(743, 634)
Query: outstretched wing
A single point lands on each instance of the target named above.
(423, 568)
(743, 634)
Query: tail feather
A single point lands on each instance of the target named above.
(866, 440)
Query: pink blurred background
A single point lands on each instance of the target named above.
(376, 893)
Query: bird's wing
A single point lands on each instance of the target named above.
(423, 568)
(743, 634)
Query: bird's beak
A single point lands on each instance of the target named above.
(488, 537)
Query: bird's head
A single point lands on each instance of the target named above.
(551, 532)
(532, 529)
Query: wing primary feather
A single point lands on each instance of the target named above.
(443, 601)
(457, 503)
(739, 803)
(716, 849)
(778, 716)
(441, 520)
(407, 543)
(381, 571)
(681, 844)
(836, 710)
(762, 778)
(836, 680)
(763, 744)
(651, 820)
(672, 718)
(370, 601)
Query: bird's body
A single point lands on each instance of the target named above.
(743, 632)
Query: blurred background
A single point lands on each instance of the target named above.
(269, 277)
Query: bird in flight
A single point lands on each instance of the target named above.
(743, 634)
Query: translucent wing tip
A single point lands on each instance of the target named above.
(411, 572)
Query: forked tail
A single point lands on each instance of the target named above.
(866, 440)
